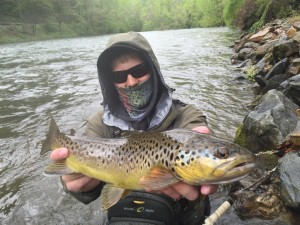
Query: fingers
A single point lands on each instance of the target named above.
(209, 189)
(180, 190)
(79, 183)
(171, 192)
(59, 154)
(187, 191)
(73, 182)
(202, 129)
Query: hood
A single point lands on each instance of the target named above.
(114, 112)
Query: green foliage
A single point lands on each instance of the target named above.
(240, 136)
(264, 9)
(231, 10)
(65, 18)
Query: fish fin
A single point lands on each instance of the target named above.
(72, 132)
(57, 168)
(50, 141)
(158, 178)
(127, 134)
(111, 194)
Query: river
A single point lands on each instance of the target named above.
(59, 78)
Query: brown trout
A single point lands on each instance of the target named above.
(161, 158)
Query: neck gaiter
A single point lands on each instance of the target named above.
(135, 99)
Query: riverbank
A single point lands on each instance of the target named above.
(271, 59)
(17, 32)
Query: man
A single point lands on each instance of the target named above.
(136, 97)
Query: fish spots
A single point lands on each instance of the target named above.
(171, 156)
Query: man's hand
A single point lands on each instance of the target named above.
(74, 182)
(181, 189)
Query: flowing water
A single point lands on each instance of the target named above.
(59, 78)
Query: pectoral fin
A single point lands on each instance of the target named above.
(110, 195)
(158, 178)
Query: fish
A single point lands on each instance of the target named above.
(160, 158)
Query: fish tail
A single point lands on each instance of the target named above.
(50, 142)
(56, 167)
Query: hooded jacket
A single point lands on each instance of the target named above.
(114, 112)
(162, 113)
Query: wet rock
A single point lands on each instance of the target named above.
(241, 42)
(246, 53)
(274, 82)
(278, 68)
(269, 123)
(261, 199)
(291, 89)
(289, 169)
(262, 68)
(247, 62)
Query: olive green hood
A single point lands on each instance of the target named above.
(114, 112)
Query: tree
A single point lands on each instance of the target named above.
(34, 12)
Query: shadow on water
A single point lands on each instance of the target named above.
(59, 78)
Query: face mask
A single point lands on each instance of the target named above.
(135, 99)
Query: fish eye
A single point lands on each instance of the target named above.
(222, 153)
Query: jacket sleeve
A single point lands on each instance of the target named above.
(94, 128)
(189, 117)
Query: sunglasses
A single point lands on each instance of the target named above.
(137, 71)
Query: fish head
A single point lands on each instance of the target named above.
(213, 161)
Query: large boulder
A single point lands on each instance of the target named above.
(291, 89)
(269, 123)
(289, 169)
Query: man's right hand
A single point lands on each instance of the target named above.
(76, 182)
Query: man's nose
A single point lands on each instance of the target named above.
(131, 81)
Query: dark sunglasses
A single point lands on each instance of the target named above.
(137, 71)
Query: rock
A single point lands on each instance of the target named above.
(274, 82)
(252, 45)
(291, 89)
(278, 68)
(259, 35)
(247, 62)
(295, 67)
(246, 53)
(260, 80)
(289, 169)
(241, 43)
(296, 24)
(235, 59)
(265, 48)
(269, 36)
(269, 123)
(297, 37)
(285, 49)
(291, 32)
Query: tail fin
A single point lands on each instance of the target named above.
(52, 134)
